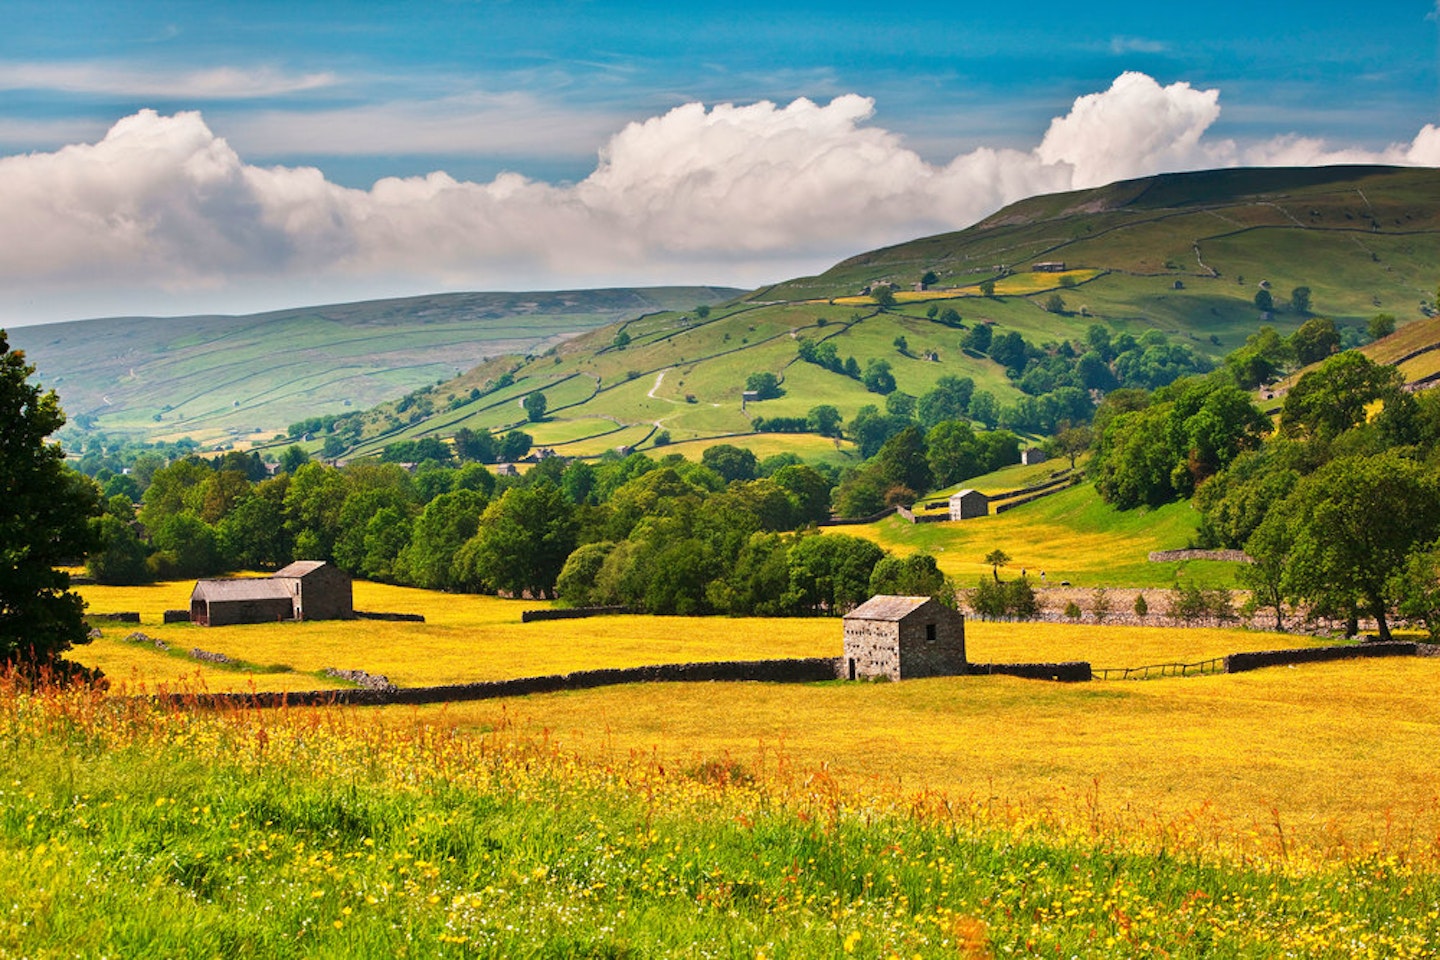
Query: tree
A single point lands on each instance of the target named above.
(929, 278)
(900, 404)
(535, 405)
(883, 295)
(824, 420)
(987, 288)
(878, 378)
(1334, 397)
(949, 400)
(730, 462)
(997, 558)
(914, 576)
(1264, 302)
(522, 542)
(978, 338)
(120, 558)
(1350, 527)
(1316, 339)
(44, 522)
(622, 339)
(765, 385)
(831, 573)
(442, 528)
(1055, 303)
(1074, 440)
(1381, 325)
(703, 311)
(293, 458)
(1300, 300)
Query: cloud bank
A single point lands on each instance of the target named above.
(163, 211)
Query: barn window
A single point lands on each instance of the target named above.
(929, 633)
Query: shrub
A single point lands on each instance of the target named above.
(1141, 607)
(1072, 610)
(1100, 604)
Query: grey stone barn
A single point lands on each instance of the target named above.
(304, 590)
(903, 637)
(969, 503)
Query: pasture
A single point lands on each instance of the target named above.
(1289, 809)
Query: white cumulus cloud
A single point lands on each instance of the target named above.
(162, 214)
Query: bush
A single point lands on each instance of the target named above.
(1072, 610)
(1012, 598)
(1141, 607)
(1100, 604)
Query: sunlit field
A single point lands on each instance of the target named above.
(467, 638)
(1330, 757)
(464, 638)
(1279, 813)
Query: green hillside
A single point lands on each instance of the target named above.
(221, 378)
(1183, 254)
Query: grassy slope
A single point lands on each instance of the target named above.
(213, 377)
(1357, 236)
(1071, 535)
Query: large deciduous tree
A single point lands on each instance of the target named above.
(45, 513)
(1348, 529)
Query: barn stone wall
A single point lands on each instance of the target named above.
(942, 657)
(326, 593)
(224, 613)
(903, 648)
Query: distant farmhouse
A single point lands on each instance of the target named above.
(904, 637)
(1049, 266)
(969, 503)
(1032, 455)
(305, 590)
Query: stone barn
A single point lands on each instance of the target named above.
(1032, 455)
(903, 637)
(969, 503)
(305, 590)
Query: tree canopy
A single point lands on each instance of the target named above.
(44, 522)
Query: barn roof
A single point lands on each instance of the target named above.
(299, 568)
(883, 607)
(253, 588)
(963, 494)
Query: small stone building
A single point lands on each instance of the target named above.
(304, 590)
(969, 503)
(902, 638)
(1032, 455)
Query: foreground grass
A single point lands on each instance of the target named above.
(126, 830)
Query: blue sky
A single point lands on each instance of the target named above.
(486, 90)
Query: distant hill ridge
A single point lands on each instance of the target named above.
(217, 376)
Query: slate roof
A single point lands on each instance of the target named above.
(965, 493)
(253, 588)
(299, 568)
(883, 607)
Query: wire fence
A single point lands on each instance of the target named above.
(1204, 667)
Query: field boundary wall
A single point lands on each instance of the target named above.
(569, 613)
(1255, 660)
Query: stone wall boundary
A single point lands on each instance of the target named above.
(1255, 660)
(1167, 556)
(569, 613)
(1069, 671)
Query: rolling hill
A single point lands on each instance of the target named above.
(1183, 254)
(221, 378)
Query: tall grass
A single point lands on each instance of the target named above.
(129, 830)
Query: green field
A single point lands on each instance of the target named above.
(1179, 253)
(227, 379)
